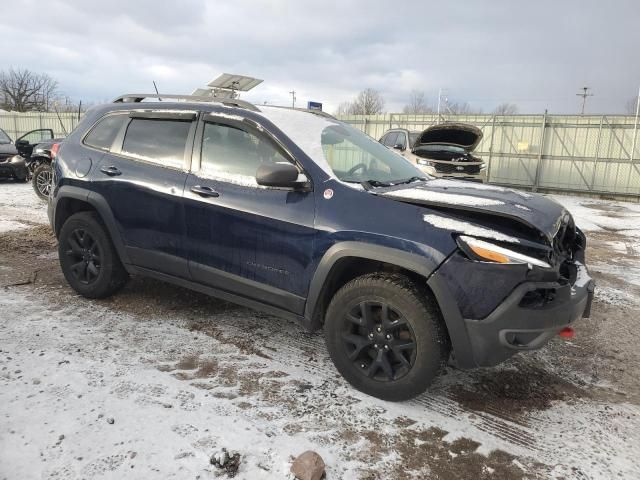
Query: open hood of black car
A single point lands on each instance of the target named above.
(457, 134)
(534, 211)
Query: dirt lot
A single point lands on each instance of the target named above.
(150, 383)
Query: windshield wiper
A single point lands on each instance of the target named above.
(410, 180)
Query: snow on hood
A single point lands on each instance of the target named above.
(458, 134)
(442, 197)
(466, 228)
(533, 210)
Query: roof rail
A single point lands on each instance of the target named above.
(230, 102)
(320, 113)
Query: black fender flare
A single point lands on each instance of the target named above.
(422, 265)
(100, 204)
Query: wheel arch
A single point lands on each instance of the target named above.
(70, 200)
(360, 258)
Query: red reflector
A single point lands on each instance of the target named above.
(567, 332)
(54, 150)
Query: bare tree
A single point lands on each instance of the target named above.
(506, 109)
(461, 108)
(23, 90)
(368, 102)
(417, 104)
(344, 108)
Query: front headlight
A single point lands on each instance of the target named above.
(489, 252)
(427, 163)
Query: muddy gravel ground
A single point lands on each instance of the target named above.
(151, 382)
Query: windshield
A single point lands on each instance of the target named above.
(4, 138)
(355, 157)
(434, 147)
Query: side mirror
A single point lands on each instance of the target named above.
(22, 143)
(284, 175)
(398, 146)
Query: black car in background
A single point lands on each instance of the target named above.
(28, 158)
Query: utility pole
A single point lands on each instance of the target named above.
(584, 96)
(293, 98)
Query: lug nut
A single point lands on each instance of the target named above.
(386, 347)
(362, 365)
(371, 335)
(378, 329)
(375, 345)
(388, 336)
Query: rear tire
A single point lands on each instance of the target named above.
(88, 258)
(41, 180)
(385, 336)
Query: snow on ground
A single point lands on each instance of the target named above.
(182, 375)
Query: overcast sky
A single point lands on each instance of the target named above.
(534, 54)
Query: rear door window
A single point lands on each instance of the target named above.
(158, 141)
(105, 131)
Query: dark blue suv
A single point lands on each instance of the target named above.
(300, 215)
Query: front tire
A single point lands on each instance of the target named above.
(385, 335)
(42, 177)
(88, 257)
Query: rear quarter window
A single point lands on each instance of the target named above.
(105, 131)
(158, 141)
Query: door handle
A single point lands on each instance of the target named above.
(205, 191)
(111, 171)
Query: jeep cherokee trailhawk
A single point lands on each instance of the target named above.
(298, 214)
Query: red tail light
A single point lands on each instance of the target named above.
(54, 150)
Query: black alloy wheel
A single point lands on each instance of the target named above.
(379, 341)
(85, 256)
(386, 336)
(88, 258)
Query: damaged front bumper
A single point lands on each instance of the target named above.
(526, 319)
(517, 325)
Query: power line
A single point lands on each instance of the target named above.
(584, 96)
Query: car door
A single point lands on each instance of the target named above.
(142, 178)
(26, 142)
(243, 238)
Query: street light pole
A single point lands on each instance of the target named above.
(293, 98)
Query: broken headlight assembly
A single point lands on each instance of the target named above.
(483, 251)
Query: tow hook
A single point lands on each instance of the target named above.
(567, 333)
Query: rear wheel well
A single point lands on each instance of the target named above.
(348, 268)
(67, 207)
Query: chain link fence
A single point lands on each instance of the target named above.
(589, 153)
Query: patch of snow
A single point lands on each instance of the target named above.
(470, 229)
(441, 197)
(443, 183)
(9, 225)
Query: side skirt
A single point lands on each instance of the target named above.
(222, 295)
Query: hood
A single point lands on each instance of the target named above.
(456, 134)
(8, 149)
(529, 209)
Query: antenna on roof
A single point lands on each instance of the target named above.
(227, 85)
(156, 87)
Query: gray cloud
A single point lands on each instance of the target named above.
(536, 55)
